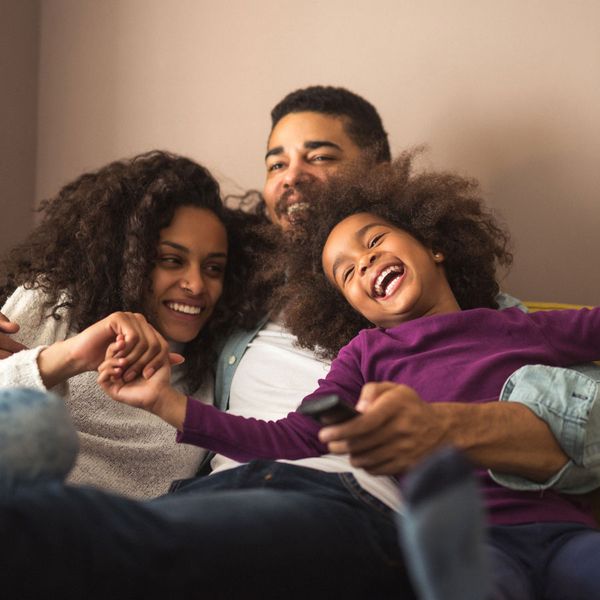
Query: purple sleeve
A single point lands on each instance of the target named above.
(244, 439)
(293, 437)
(573, 334)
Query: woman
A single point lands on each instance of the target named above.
(144, 235)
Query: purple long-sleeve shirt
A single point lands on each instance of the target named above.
(456, 357)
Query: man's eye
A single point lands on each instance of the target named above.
(275, 166)
(321, 158)
(374, 240)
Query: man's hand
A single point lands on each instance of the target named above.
(396, 430)
(8, 346)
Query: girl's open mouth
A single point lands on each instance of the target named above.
(388, 281)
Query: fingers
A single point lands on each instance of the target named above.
(144, 348)
(8, 346)
(7, 326)
(110, 370)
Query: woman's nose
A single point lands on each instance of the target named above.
(192, 283)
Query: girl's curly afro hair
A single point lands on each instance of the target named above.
(442, 210)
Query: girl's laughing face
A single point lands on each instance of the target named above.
(384, 272)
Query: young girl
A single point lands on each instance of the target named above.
(144, 235)
(413, 259)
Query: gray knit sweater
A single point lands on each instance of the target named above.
(122, 449)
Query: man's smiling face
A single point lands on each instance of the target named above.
(304, 148)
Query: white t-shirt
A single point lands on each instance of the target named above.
(273, 377)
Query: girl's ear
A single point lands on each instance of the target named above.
(438, 257)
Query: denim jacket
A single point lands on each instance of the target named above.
(567, 400)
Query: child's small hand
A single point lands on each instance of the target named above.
(140, 392)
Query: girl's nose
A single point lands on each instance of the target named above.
(366, 261)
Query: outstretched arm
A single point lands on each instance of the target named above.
(398, 429)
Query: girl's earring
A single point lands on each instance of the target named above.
(438, 256)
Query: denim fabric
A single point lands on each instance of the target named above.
(37, 437)
(554, 561)
(569, 402)
(263, 530)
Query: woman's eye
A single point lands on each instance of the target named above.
(215, 269)
(169, 260)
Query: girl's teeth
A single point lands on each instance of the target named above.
(184, 308)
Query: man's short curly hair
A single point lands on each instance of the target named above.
(442, 210)
(362, 122)
(96, 245)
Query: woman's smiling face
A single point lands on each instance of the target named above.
(187, 280)
(385, 273)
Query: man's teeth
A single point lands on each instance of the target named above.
(296, 206)
(383, 279)
(184, 308)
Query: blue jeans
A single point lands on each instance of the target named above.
(262, 530)
(553, 561)
(37, 438)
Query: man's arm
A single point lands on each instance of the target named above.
(568, 400)
(8, 346)
(398, 429)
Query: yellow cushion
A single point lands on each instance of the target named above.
(533, 306)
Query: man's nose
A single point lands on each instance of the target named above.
(296, 173)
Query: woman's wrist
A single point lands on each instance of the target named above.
(56, 364)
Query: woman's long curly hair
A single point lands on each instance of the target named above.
(442, 210)
(95, 248)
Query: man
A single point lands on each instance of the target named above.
(316, 528)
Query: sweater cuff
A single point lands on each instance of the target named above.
(21, 370)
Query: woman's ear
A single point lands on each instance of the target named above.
(438, 257)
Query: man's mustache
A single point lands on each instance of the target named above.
(282, 204)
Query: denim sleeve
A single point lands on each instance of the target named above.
(568, 400)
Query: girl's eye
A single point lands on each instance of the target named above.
(374, 240)
(347, 274)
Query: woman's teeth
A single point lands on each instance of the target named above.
(385, 279)
(184, 308)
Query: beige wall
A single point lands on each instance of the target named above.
(19, 33)
(506, 91)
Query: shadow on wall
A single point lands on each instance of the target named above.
(542, 181)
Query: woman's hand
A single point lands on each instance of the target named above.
(143, 346)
